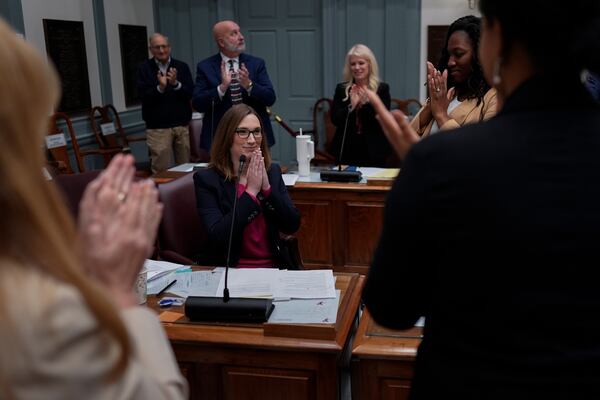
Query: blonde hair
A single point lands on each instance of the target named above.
(220, 151)
(37, 231)
(362, 51)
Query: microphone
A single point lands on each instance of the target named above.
(339, 175)
(226, 309)
(227, 264)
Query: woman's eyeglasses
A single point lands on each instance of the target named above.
(244, 133)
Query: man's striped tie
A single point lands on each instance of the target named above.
(234, 87)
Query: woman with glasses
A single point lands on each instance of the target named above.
(264, 208)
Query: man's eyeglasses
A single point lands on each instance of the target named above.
(159, 46)
(244, 133)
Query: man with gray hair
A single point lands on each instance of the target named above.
(228, 78)
(165, 86)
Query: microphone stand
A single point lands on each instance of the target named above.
(338, 175)
(226, 309)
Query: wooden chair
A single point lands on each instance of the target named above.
(410, 107)
(181, 235)
(323, 131)
(72, 187)
(109, 133)
(107, 128)
(56, 144)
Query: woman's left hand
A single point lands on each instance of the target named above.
(265, 178)
(117, 227)
(440, 96)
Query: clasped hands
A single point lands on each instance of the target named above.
(254, 176)
(118, 219)
(226, 75)
(170, 77)
(439, 96)
(358, 96)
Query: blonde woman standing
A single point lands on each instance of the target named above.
(364, 143)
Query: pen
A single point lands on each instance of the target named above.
(166, 287)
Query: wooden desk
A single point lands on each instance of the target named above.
(341, 224)
(266, 361)
(382, 360)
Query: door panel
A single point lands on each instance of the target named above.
(287, 35)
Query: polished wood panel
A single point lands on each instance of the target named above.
(383, 361)
(341, 224)
(253, 383)
(251, 361)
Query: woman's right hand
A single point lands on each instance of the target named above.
(254, 175)
(394, 124)
(118, 219)
(355, 97)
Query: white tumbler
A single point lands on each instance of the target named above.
(305, 151)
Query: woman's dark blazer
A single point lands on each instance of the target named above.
(370, 148)
(214, 197)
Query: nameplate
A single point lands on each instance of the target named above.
(108, 128)
(54, 141)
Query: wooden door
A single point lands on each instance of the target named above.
(287, 35)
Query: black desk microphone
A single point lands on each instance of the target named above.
(338, 175)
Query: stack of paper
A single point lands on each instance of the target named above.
(158, 269)
(279, 284)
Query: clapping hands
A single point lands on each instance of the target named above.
(118, 219)
(358, 96)
(439, 95)
(255, 177)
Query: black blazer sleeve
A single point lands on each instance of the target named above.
(184, 76)
(339, 111)
(147, 81)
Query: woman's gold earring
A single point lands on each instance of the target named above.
(496, 79)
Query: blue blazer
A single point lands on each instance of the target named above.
(206, 97)
(214, 199)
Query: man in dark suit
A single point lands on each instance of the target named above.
(228, 78)
(165, 85)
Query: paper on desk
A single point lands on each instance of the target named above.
(197, 283)
(187, 167)
(157, 269)
(313, 284)
(306, 311)
(290, 179)
(250, 282)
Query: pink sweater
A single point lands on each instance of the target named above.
(256, 250)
